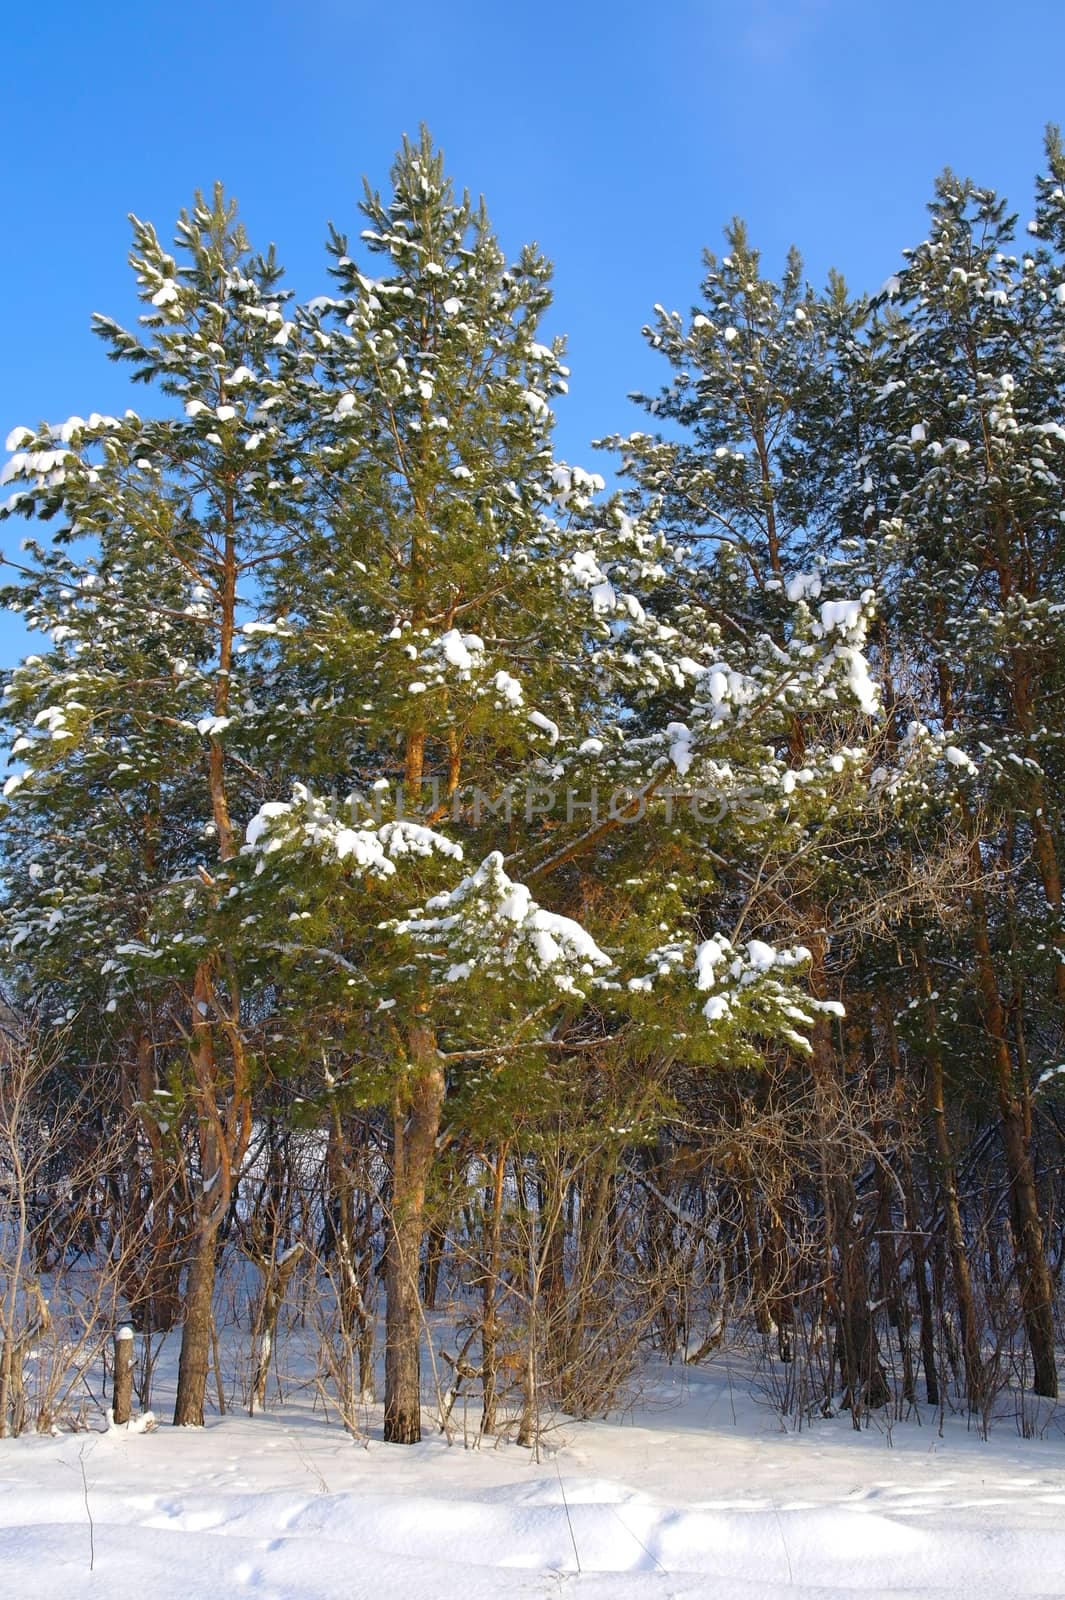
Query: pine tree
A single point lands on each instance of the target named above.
(736, 473)
(468, 623)
(742, 477)
(131, 725)
(955, 510)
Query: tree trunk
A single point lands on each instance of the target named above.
(489, 1292)
(1036, 1284)
(416, 1120)
(195, 1360)
(917, 1233)
(890, 1280)
(122, 1390)
(757, 1276)
(434, 1260)
(959, 1260)
(777, 1270)
(580, 1384)
(1033, 1274)
(354, 1254)
(275, 1282)
(857, 1345)
(920, 1278)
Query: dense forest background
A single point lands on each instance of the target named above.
(494, 919)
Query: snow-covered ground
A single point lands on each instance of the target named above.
(697, 1492)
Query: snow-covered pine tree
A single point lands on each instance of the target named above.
(433, 641)
(466, 623)
(956, 514)
(735, 473)
(740, 476)
(96, 824)
(133, 726)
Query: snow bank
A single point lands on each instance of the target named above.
(698, 1495)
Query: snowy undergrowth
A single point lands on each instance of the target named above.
(696, 1492)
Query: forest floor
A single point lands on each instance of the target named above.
(698, 1491)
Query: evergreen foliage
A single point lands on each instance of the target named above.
(378, 765)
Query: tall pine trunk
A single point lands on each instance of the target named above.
(944, 1154)
(1033, 1272)
(416, 1123)
(857, 1344)
(194, 1363)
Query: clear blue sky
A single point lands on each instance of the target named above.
(619, 136)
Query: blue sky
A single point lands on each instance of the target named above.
(621, 137)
